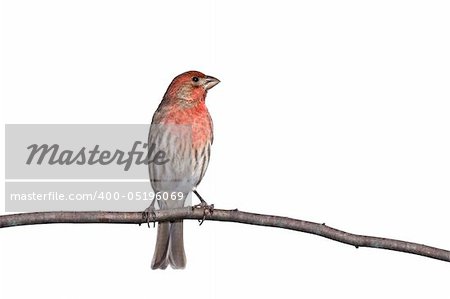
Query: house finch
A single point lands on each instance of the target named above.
(181, 128)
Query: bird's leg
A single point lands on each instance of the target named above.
(149, 213)
(202, 201)
(203, 205)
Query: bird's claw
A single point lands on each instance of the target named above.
(149, 215)
(207, 210)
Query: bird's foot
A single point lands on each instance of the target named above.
(149, 215)
(207, 210)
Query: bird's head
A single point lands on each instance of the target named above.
(190, 87)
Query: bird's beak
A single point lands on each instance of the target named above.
(210, 82)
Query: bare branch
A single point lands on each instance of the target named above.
(229, 216)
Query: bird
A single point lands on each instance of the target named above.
(183, 129)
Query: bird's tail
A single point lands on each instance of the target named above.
(169, 247)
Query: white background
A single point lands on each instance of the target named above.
(329, 111)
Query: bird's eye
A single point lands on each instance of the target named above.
(195, 79)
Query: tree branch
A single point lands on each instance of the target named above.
(228, 216)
